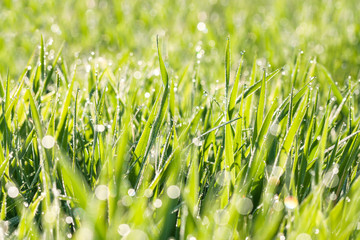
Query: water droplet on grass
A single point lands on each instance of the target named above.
(69, 220)
(330, 179)
(223, 178)
(333, 196)
(244, 206)
(102, 192)
(303, 236)
(278, 206)
(157, 203)
(173, 192)
(197, 142)
(124, 229)
(99, 128)
(131, 192)
(137, 235)
(137, 75)
(48, 142)
(148, 193)
(13, 192)
(291, 202)
(201, 26)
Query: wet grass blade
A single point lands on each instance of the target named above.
(65, 108)
(158, 120)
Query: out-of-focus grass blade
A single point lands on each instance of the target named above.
(26, 221)
(341, 218)
(3, 207)
(74, 182)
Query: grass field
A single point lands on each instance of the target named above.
(170, 119)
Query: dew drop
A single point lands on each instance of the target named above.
(330, 179)
(124, 229)
(13, 191)
(333, 196)
(291, 202)
(303, 236)
(157, 203)
(99, 128)
(131, 192)
(48, 142)
(173, 191)
(69, 220)
(244, 206)
(278, 206)
(137, 235)
(148, 193)
(201, 27)
(102, 192)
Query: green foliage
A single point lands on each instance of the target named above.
(154, 147)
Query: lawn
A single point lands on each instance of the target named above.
(181, 119)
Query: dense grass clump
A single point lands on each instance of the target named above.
(108, 131)
(141, 153)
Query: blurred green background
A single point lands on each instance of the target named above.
(273, 30)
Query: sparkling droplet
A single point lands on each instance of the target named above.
(48, 142)
(102, 192)
(303, 236)
(13, 192)
(124, 229)
(330, 179)
(244, 206)
(291, 202)
(99, 128)
(173, 191)
(69, 220)
(157, 203)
